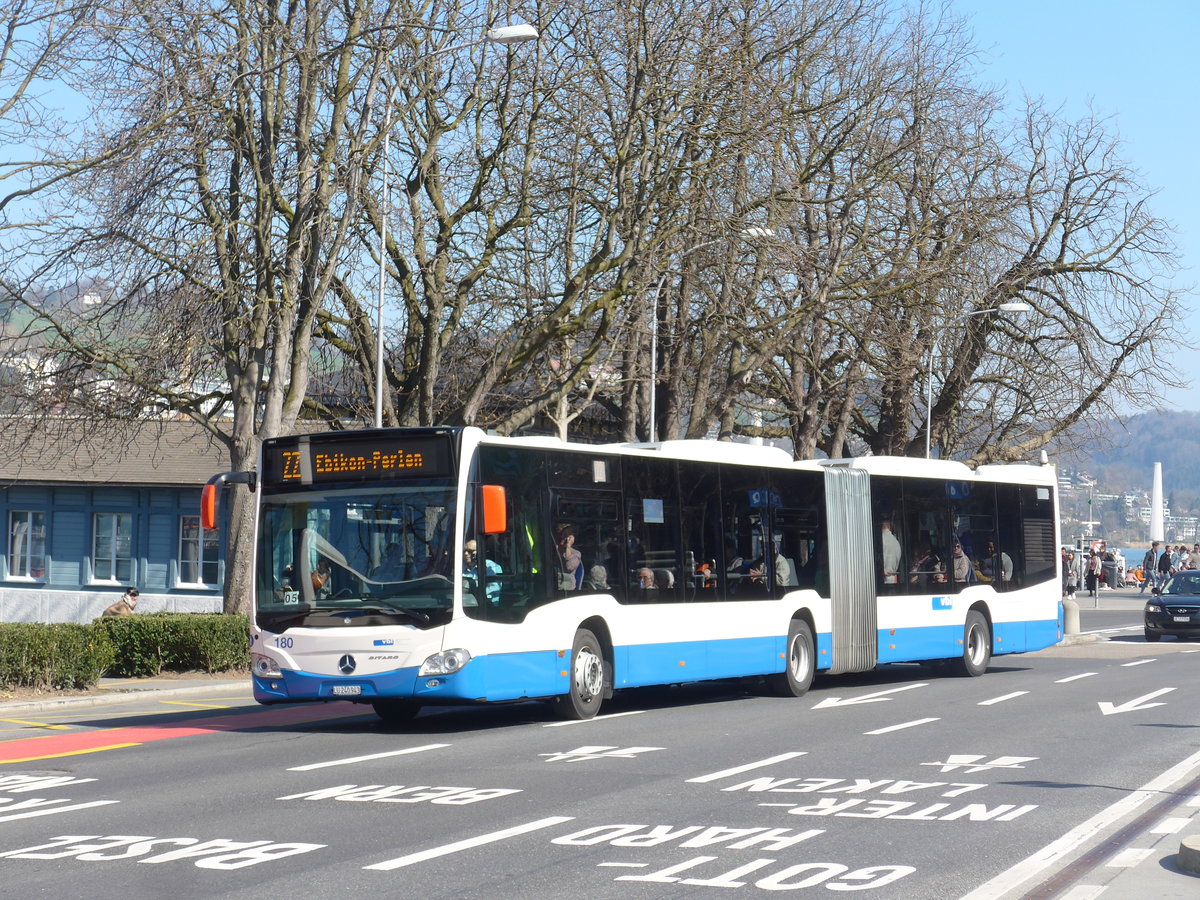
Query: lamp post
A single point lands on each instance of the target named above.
(1015, 306)
(505, 34)
(754, 233)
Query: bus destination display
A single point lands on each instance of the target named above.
(320, 459)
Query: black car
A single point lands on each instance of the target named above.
(1175, 609)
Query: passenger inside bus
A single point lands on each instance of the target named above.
(570, 561)
(963, 571)
(927, 569)
(597, 579)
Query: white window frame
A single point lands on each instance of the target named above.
(112, 561)
(203, 538)
(20, 546)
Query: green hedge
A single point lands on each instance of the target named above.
(53, 657)
(176, 642)
(74, 657)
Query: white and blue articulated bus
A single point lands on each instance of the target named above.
(432, 566)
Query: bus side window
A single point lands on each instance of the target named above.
(700, 491)
(652, 518)
(891, 572)
(749, 566)
(927, 530)
(518, 579)
(798, 502)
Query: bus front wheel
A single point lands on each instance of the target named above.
(586, 692)
(795, 680)
(977, 646)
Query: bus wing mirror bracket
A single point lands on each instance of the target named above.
(209, 498)
(493, 511)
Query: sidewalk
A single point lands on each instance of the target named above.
(127, 690)
(1148, 865)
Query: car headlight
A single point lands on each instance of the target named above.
(264, 666)
(1153, 607)
(445, 663)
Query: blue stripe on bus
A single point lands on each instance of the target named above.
(499, 676)
(543, 673)
(945, 641)
(638, 665)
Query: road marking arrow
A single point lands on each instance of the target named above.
(877, 697)
(1110, 709)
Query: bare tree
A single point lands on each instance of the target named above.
(222, 226)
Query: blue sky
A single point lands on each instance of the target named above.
(1135, 62)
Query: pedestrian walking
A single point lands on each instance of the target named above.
(1149, 567)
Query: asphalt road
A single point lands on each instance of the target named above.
(903, 782)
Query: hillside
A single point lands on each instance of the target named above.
(1124, 457)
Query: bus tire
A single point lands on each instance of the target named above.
(587, 677)
(396, 712)
(977, 646)
(797, 677)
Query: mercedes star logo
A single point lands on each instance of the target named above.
(346, 664)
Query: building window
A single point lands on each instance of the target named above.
(112, 547)
(27, 544)
(198, 548)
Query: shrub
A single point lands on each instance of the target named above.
(53, 657)
(146, 645)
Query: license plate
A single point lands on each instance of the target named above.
(1183, 618)
(347, 690)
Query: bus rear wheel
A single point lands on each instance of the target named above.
(977, 646)
(587, 679)
(395, 712)
(796, 679)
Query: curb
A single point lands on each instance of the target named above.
(1069, 639)
(115, 695)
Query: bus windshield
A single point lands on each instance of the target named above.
(354, 558)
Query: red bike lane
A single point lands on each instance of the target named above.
(24, 750)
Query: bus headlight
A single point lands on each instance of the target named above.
(264, 666)
(445, 663)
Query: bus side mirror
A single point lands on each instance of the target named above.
(210, 499)
(493, 511)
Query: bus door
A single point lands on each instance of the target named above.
(851, 570)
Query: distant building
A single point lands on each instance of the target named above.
(90, 510)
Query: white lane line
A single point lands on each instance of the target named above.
(1127, 859)
(1137, 662)
(1002, 698)
(1039, 861)
(356, 759)
(1075, 677)
(490, 838)
(911, 724)
(636, 712)
(738, 770)
(34, 813)
(621, 865)
(1172, 825)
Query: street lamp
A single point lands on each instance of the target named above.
(504, 34)
(753, 233)
(1013, 307)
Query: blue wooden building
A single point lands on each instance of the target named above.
(87, 515)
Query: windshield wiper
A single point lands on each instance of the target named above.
(387, 609)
